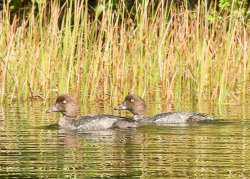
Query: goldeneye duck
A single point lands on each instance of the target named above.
(71, 119)
(136, 105)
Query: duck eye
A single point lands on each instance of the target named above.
(64, 102)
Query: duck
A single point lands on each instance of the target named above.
(136, 105)
(72, 120)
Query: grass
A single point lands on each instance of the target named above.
(171, 55)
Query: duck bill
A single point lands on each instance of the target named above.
(121, 107)
(52, 109)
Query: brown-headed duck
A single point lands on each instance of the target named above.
(137, 107)
(71, 119)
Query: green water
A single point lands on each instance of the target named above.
(31, 148)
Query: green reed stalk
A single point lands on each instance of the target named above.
(173, 54)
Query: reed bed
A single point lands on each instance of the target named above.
(172, 54)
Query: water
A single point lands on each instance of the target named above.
(32, 147)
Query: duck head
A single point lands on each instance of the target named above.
(135, 104)
(67, 105)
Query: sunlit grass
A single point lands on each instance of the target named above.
(172, 55)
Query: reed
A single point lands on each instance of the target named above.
(172, 54)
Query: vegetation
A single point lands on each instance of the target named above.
(169, 51)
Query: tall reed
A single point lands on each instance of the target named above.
(172, 54)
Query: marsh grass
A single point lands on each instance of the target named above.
(170, 54)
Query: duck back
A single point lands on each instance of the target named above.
(180, 117)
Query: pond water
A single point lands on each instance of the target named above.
(31, 147)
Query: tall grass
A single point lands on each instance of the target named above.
(168, 53)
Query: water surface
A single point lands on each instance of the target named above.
(32, 147)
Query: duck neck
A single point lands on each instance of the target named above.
(71, 114)
(138, 117)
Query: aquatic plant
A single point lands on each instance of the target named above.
(166, 52)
